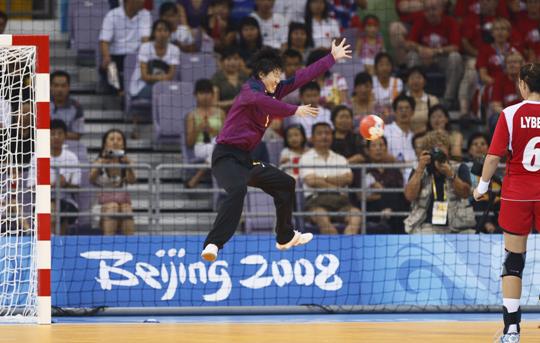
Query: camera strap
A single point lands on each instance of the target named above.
(439, 214)
(434, 186)
(491, 200)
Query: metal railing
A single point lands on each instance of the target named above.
(156, 174)
(57, 191)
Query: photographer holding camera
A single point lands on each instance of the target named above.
(113, 149)
(438, 190)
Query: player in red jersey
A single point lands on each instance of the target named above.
(516, 136)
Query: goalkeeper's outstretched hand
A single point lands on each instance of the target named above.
(305, 110)
(341, 51)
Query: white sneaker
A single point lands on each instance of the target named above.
(510, 338)
(298, 239)
(210, 253)
(506, 338)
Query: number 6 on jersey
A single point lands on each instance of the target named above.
(531, 155)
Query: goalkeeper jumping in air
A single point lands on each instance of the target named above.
(252, 111)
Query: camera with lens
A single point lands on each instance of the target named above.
(114, 153)
(437, 155)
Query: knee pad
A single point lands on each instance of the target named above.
(513, 264)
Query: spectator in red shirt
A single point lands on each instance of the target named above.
(475, 31)
(505, 90)
(465, 8)
(408, 11)
(434, 40)
(514, 8)
(490, 61)
(528, 23)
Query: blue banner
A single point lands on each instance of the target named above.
(141, 271)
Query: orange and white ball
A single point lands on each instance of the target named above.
(372, 127)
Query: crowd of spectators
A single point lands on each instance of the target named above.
(425, 63)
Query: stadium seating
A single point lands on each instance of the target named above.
(348, 70)
(259, 202)
(171, 102)
(86, 17)
(274, 147)
(195, 66)
(133, 106)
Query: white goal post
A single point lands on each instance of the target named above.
(25, 205)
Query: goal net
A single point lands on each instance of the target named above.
(19, 174)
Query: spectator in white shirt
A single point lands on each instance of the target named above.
(180, 34)
(157, 61)
(321, 27)
(385, 86)
(310, 94)
(273, 25)
(332, 172)
(63, 177)
(123, 30)
(293, 10)
(399, 134)
(295, 147)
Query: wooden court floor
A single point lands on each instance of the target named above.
(263, 333)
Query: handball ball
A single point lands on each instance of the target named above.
(372, 127)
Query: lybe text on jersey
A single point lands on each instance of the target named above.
(530, 122)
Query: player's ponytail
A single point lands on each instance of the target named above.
(265, 61)
(530, 74)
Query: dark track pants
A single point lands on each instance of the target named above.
(234, 170)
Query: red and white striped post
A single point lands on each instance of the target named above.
(43, 154)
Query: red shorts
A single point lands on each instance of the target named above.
(518, 217)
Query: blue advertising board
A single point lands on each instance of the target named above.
(166, 271)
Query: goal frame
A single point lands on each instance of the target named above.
(42, 210)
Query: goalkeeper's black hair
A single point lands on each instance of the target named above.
(266, 61)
